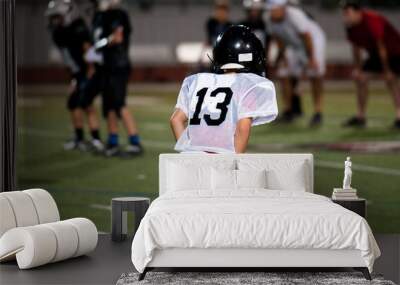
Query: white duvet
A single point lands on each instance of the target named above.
(250, 219)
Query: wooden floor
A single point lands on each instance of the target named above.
(110, 260)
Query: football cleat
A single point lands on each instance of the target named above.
(133, 149)
(112, 151)
(97, 146)
(75, 145)
(316, 120)
(355, 122)
(286, 117)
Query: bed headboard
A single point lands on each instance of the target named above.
(164, 159)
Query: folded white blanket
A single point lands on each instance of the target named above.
(250, 219)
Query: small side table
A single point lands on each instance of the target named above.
(358, 206)
(120, 206)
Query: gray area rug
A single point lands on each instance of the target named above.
(243, 278)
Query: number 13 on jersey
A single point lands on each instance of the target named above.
(221, 106)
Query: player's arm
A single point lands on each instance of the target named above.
(90, 66)
(267, 43)
(300, 21)
(307, 39)
(357, 59)
(117, 36)
(242, 134)
(178, 123)
(281, 51)
(383, 55)
(356, 56)
(308, 43)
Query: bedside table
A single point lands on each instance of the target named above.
(120, 206)
(358, 206)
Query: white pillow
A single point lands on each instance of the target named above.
(251, 178)
(282, 174)
(194, 173)
(223, 179)
(294, 180)
(183, 178)
(230, 180)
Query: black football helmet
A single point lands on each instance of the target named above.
(239, 49)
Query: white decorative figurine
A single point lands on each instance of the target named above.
(347, 192)
(347, 174)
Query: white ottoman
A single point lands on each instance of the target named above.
(31, 233)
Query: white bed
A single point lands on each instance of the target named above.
(198, 222)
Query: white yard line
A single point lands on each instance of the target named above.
(358, 167)
(40, 133)
(100, 207)
(167, 145)
(29, 102)
(53, 135)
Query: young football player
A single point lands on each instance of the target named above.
(370, 31)
(301, 44)
(114, 31)
(215, 111)
(219, 21)
(72, 37)
(254, 20)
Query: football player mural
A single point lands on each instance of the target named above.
(370, 31)
(302, 46)
(215, 111)
(254, 10)
(112, 31)
(71, 35)
(218, 22)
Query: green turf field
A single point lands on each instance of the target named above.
(83, 184)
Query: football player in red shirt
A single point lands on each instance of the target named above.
(371, 32)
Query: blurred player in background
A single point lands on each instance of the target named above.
(254, 20)
(219, 22)
(215, 111)
(369, 31)
(72, 37)
(302, 45)
(112, 33)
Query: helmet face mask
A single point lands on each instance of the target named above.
(238, 50)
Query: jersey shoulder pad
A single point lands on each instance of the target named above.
(198, 77)
(190, 79)
(252, 79)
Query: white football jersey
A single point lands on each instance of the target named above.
(214, 103)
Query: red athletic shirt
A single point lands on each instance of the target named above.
(374, 27)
